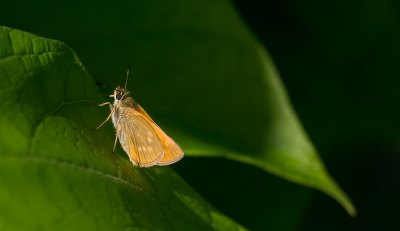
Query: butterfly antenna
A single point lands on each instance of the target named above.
(127, 74)
(101, 85)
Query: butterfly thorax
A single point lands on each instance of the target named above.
(122, 101)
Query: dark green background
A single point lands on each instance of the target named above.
(340, 63)
(338, 60)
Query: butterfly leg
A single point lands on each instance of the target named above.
(115, 143)
(108, 117)
(102, 104)
(116, 137)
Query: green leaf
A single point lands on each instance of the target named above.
(57, 174)
(284, 147)
(199, 72)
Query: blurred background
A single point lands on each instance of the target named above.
(339, 62)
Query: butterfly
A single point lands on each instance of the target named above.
(140, 137)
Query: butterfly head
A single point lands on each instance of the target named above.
(120, 93)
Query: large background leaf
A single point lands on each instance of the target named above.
(57, 173)
(339, 61)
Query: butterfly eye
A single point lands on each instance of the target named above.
(118, 96)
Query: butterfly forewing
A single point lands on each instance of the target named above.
(172, 151)
(138, 138)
